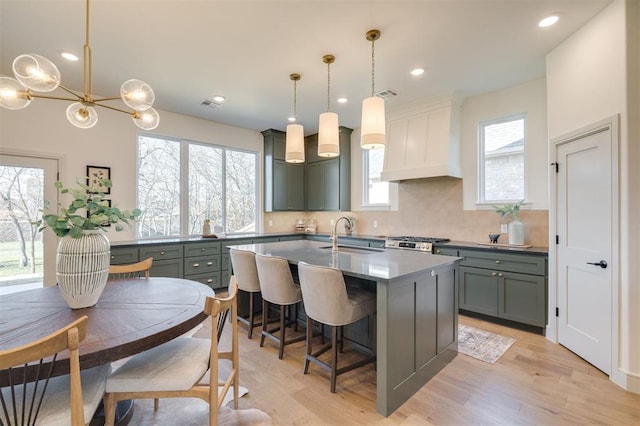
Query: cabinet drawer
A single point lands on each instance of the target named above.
(173, 251)
(212, 279)
(201, 249)
(445, 251)
(520, 263)
(120, 255)
(201, 265)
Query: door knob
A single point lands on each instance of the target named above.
(602, 264)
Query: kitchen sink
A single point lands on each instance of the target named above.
(354, 249)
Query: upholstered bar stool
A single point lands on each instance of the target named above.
(243, 263)
(278, 289)
(327, 300)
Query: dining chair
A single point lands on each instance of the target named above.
(131, 270)
(327, 300)
(33, 397)
(180, 367)
(243, 263)
(278, 288)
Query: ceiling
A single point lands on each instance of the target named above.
(190, 50)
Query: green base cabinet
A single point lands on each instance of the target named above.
(504, 285)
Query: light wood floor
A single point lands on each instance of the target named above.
(534, 383)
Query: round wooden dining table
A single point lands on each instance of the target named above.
(131, 316)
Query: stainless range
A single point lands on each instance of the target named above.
(413, 243)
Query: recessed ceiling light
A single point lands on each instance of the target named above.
(69, 56)
(219, 98)
(292, 119)
(343, 100)
(418, 71)
(548, 21)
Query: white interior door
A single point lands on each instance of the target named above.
(25, 182)
(584, 252)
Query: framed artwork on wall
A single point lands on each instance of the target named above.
(95, 174)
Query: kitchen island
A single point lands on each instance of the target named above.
(416, 324)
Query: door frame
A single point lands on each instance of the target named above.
(612, 122)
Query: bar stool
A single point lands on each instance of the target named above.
(278, 288)
(327, 300)
(244, 269)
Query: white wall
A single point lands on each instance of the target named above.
(587, 81)
(529, 98)
(42, 128)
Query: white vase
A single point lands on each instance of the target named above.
(516, 233)
(82, 268)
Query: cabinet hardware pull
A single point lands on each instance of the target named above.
(493, 274)
(497, 261)
(209, 263)
(162, 253)
(202, 249)
(196, 265)
(500, 275)
(209, 281)
(113, 257)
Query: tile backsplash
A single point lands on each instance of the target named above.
(429, 208)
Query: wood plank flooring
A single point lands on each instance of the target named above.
(534, 383)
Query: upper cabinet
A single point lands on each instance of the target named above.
(283, 182)
(423, 140)
(328, 180)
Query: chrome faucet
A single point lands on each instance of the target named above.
(334, 234)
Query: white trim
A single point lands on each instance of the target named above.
(618, 376)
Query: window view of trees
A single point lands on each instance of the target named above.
(221, 186)
(21, 198)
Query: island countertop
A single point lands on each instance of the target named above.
(382, 265)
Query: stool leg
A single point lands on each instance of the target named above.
(309, 339)
(282, 331)
(341, 338)
(295, 317)
(334, 357)
(250, 334)
(265, 308)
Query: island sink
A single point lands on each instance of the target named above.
(354, 249)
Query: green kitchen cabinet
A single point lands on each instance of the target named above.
(167, 259)
(123, 255)
(504, 285)
(283, 182)
(328, 180)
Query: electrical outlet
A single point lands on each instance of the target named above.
(375, 223)
(270, 223)
(331, 222)
(503, 228)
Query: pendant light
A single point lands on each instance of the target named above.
(37, 73)
(372, 129)
(328, 133)
(295, 133)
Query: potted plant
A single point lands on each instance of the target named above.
(516, 228)
(83, 254)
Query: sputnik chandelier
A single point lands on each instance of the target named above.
(35, 73)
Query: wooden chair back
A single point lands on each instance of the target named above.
(14, 369)
(131, 270)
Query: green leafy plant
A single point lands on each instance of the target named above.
(86, 211)
(507, 210)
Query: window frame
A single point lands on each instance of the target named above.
(184, 184)
(480, 199)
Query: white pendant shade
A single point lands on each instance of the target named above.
(36, 72)
(373, 129)
(294, 144)
(137, 94)
(147, 119)
(328, 135)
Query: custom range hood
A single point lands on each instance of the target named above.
(423, 140)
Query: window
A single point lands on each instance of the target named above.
(501, 160)
(375, 192)
(182, 183)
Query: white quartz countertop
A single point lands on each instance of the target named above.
(362, 262)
